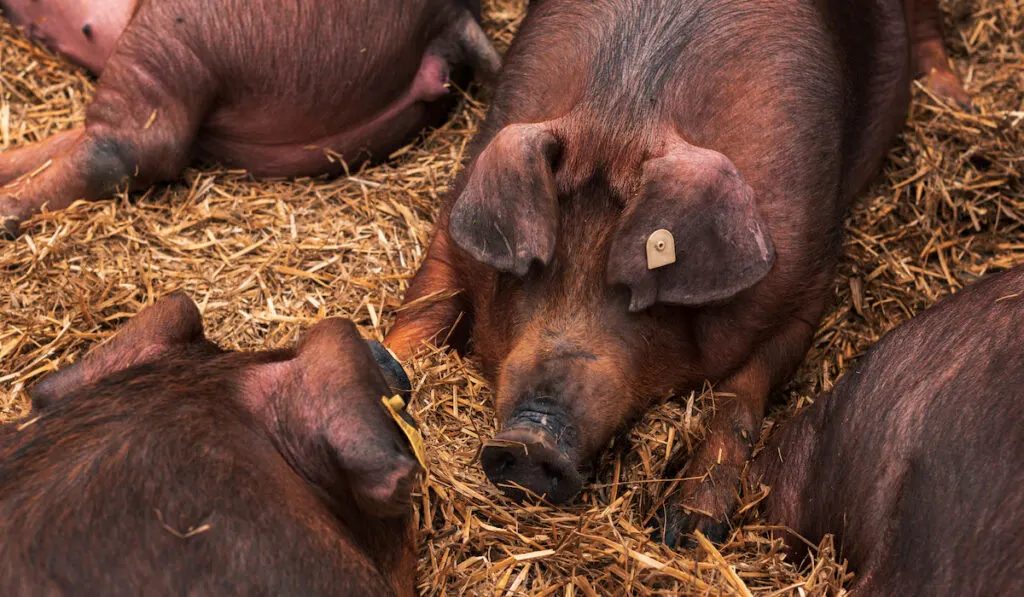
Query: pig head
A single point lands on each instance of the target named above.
(582, 332)
(301, 473)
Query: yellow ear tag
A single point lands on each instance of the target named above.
(394, 406)
(661, 249)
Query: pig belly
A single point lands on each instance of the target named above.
(370, 140)
(238, 140)
(83, 30)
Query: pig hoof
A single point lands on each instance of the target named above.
(9, 229)
(945, 85)
(10, 226)
(393, 372)
(676, 528)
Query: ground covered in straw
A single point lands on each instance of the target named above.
(266, 259)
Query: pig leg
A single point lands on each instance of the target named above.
(928, 52)
(138, 129)
(18, 162)
(711, 491)
(433, 303)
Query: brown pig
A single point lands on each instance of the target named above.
(161, 465)
(654, 201)
(280, 88)
(915, 460)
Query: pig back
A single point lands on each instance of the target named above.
(804, 102)
(775, 81)
(914, 460)
(102, 496)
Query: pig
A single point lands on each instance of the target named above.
(655, 201)
(276, 88)
(914, 459)
(162, 465)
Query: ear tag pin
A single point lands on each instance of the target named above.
(395, 405)
(661, 249)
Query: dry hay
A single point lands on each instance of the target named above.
(266, 259)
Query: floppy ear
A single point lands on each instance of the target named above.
(172, 321)
(327, 398)
(507, 214)
(693, 236)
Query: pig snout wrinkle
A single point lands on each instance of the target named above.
(548, 416)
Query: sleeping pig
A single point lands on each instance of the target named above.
(656, 200)
(277, 88)
(161, 465)
(915, 460)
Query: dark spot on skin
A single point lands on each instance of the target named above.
(87, 31)
(109, 161)
(394, 374)
(179, 20)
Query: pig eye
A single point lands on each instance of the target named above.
(509, 283)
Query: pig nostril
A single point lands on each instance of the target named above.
(553, 475)
(505, 461)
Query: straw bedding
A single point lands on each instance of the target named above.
(266, 259)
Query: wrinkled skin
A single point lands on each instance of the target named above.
(914, 460)
(745, 129)
(160, 465)
(277, 88)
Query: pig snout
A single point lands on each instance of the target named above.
(394, 374)
(561, 394)
(532, 454)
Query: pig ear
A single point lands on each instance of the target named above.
(693, 236)
(170, 322)
(507, 214)
(330, 393)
